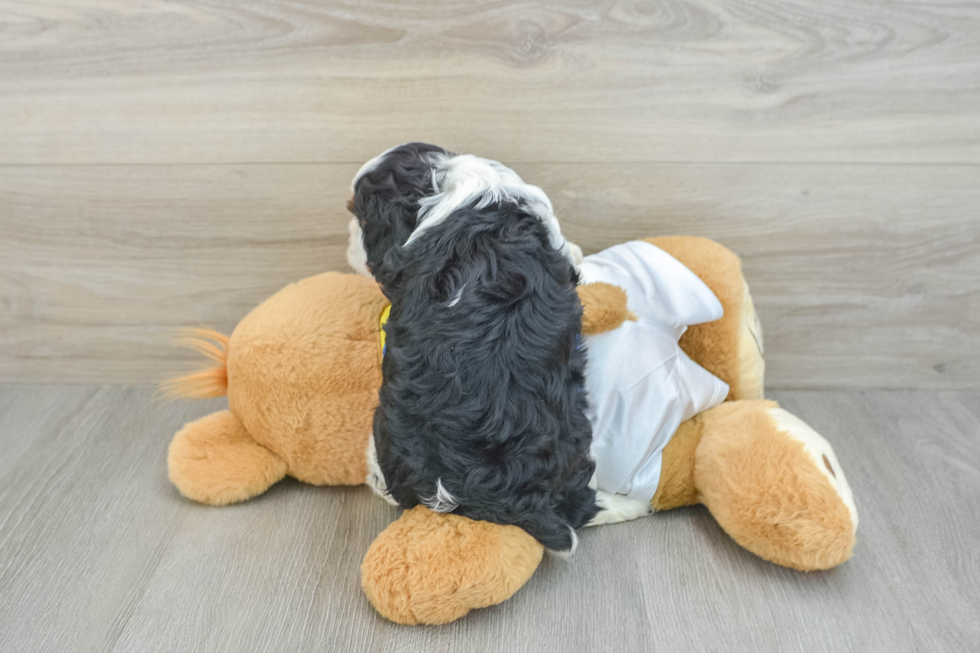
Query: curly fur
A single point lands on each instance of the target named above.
(482, 407)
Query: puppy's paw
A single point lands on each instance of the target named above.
(615, 508)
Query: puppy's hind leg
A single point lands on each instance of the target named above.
(615, 508)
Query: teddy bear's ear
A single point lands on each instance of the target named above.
(433, 568)
(604, 307)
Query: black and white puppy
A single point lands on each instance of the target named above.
(482, 406)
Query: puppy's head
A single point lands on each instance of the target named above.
(387, 191)
(407, 190)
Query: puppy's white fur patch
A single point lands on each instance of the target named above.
(464, 180)
(375, 479)
(459, 295)
(356, 254)
(616, 508)
(370, 165)
(461, 180)
(441, 501)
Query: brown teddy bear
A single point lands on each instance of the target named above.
(302, 373)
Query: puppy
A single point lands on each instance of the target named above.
(482, 406)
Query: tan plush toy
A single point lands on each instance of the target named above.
(302, 373)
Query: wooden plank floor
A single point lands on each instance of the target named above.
(167, 163)
(98, 552)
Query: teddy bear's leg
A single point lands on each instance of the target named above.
(730, 348)
(433, 568)
(214, 460)
(770, 480)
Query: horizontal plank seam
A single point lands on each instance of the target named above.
(924, 164)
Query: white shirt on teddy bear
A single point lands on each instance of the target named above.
(641, 385)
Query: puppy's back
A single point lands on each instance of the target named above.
(482, 409)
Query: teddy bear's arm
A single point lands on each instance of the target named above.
(603, 307)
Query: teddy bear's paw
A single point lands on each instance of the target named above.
(604, 307)
(821, 454)
(775, 485)
(214, 460)
(433, 568)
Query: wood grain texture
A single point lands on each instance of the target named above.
(99, 553)
(170, 163)
(112, 81)
(862, 275)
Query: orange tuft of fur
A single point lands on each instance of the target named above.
(209, 381)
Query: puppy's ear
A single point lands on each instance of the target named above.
(385, 227)
(386, 203)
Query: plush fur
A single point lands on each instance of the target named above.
(765, 491)
(302, 374)
(604, 307)
(208, 382)
(482, 405)
(431, 569)
(676, 488)
(215, 460)
(759, 483)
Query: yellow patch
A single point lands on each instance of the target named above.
(381, 328)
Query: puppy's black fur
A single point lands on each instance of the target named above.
(386, 205)
(483, 386)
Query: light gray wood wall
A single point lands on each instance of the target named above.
(165, 164)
